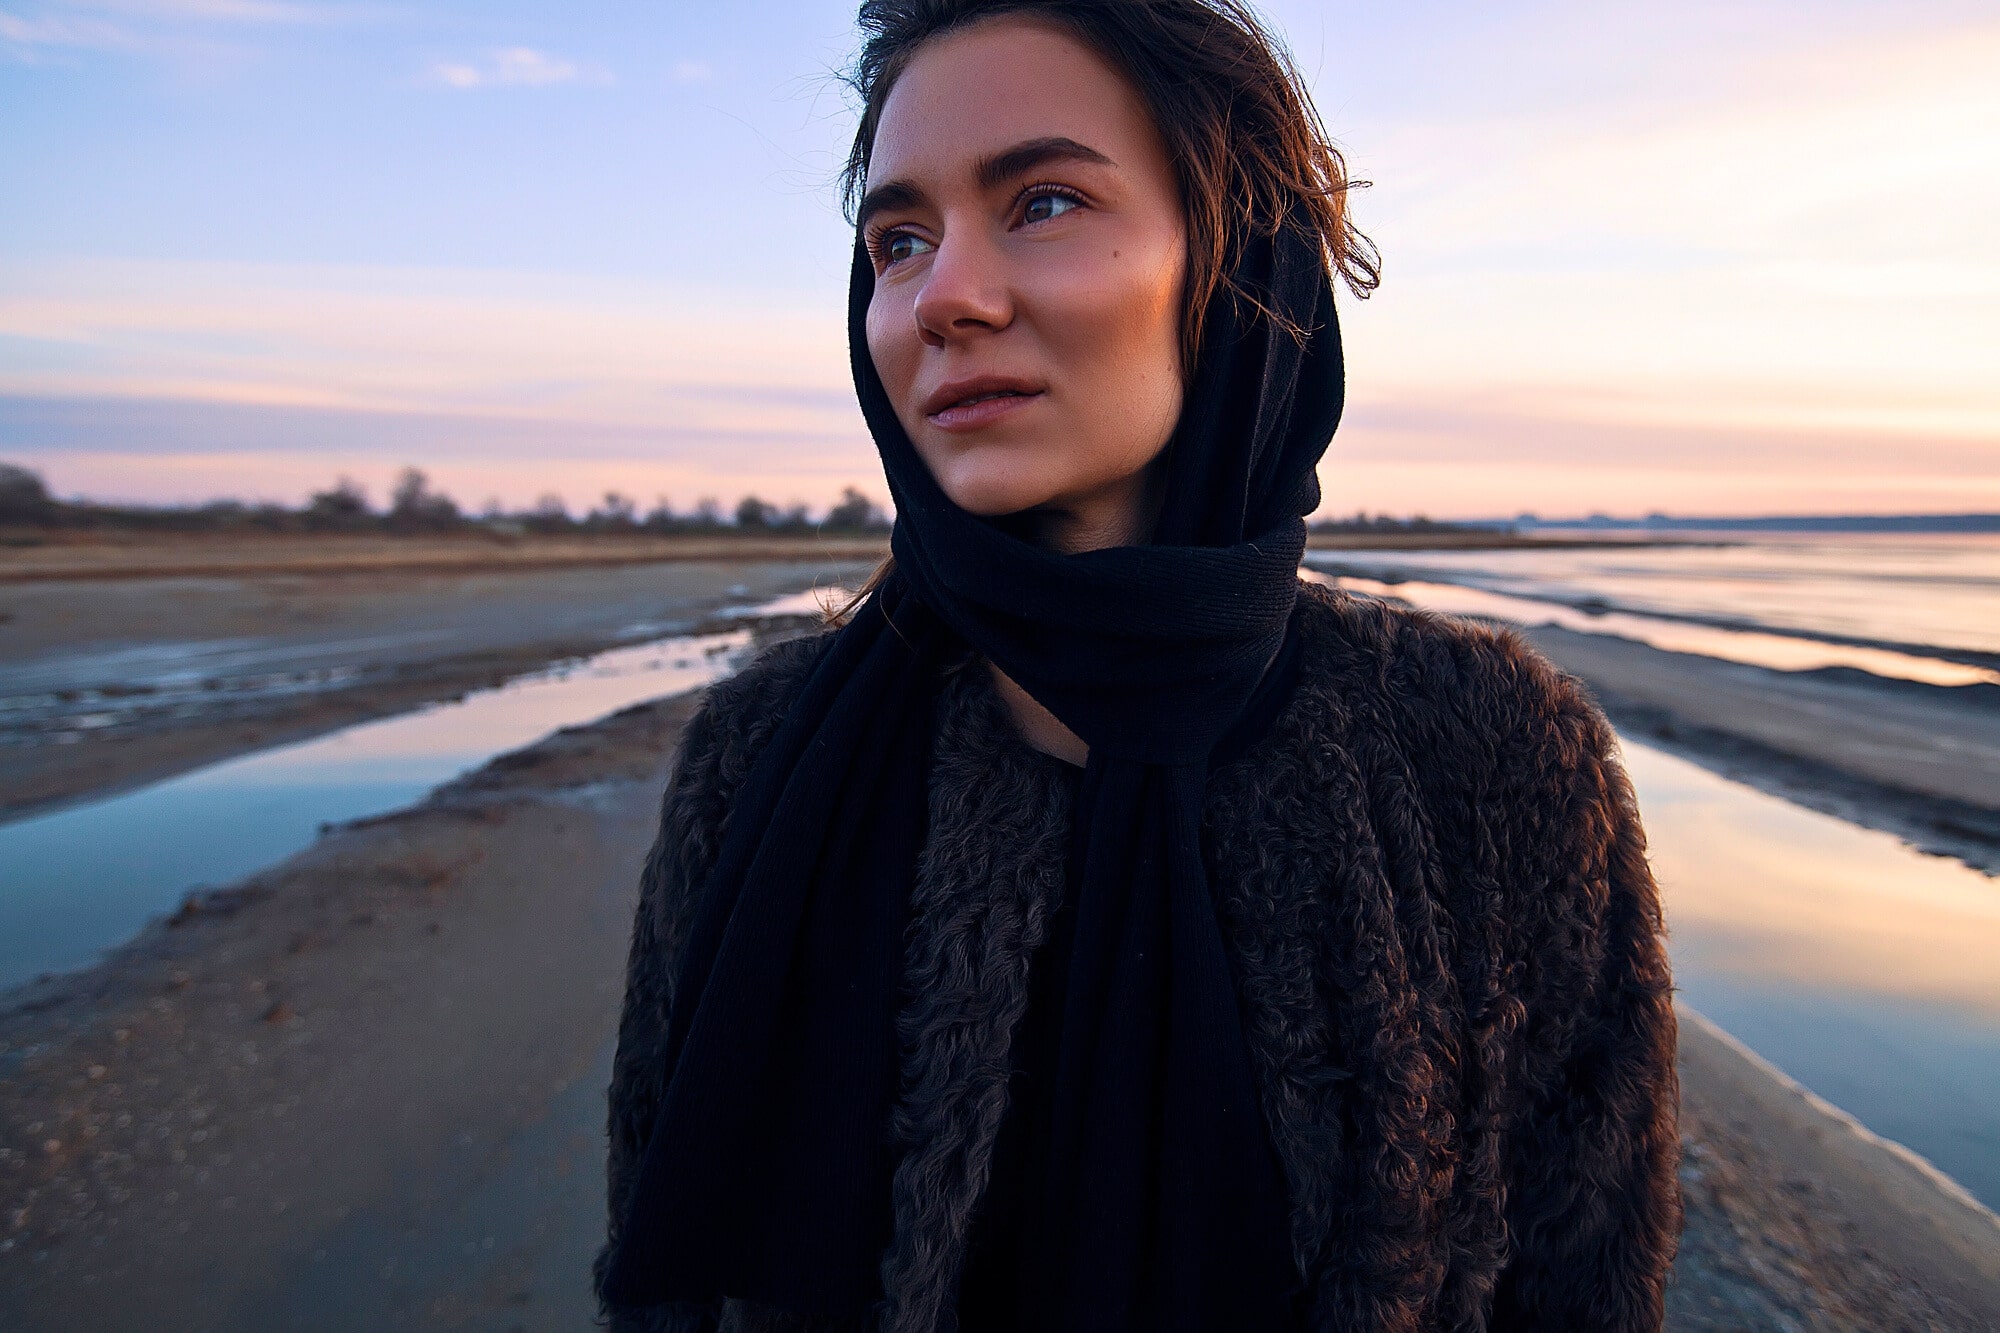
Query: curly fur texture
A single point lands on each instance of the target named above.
(1447, 941)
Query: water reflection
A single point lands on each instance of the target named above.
(79, 880)
(1782, 652)
(1917, 591)
(822, 600)
(1863, 969)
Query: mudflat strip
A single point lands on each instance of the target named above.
(364, 1089)
(1798, 1217)
(85, 556)
(1919, 761)
(110, 684)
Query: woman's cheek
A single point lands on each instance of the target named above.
(890, 344)
(1118, 348)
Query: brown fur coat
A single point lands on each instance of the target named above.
(1449, 951)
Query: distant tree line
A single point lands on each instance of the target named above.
(1361, 521)
(415, 507)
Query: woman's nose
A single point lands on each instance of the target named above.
(965, 292)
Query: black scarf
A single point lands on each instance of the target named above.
(767, 1176)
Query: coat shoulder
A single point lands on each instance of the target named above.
(767, 685)
(1472, 687)
(739, 713)
(1490, 757)
(1505, 830)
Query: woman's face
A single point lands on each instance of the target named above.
(1028, 242)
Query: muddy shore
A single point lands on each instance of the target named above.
(364, 1089)
(91, 555)
(113, 683)
(1910, 759)
(30, 555)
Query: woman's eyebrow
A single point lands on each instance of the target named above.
(996, 169)
(1026, 156)
(898, 195)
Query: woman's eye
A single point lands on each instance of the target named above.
(1042, 207)
(901, 245)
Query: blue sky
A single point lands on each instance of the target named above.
(1708, 257)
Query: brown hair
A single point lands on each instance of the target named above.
(1247, 146)
(1249, 150)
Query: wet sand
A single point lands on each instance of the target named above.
(1473, 539)
(111, 683)
(1800, 1218)
(364, 1089)
(89, 555)
(1919, 761)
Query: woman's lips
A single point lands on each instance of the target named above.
(973, 416)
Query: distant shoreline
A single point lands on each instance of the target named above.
(1478, 539)
(1594, 605)
(92, 556)
(1830, 524)
(38, 555)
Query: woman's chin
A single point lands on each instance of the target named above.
(990, 496)
(1002, 508)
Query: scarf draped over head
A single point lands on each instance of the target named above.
(767, 1174)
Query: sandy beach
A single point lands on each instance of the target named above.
(118, 670)
(92, 555)
(363, 1088)
(1918, 761)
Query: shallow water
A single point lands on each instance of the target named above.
(76, 881)
(1782, 652)
(1865, 970)
(1914, 592)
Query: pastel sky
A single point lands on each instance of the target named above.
(1721, 256)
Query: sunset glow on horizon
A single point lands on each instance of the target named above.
(1724, 260)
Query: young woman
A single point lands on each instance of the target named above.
(1102, 929)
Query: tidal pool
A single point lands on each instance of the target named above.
(1867, 971)
(77, 881)
(1780, 652)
